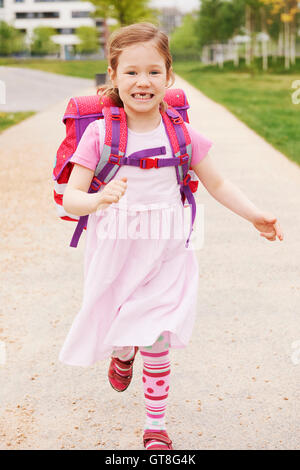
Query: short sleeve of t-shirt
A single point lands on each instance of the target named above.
(200, 145)
(88, 150)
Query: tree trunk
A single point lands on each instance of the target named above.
(236, 55)
(280, 43)
(248, 32)
(287, 45)
(122, 15)
(221, 56)
(293, 42)
(264, 43)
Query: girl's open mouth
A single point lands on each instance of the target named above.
(142, 96)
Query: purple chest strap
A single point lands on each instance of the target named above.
(141, 159)
(82, 222)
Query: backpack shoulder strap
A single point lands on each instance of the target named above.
(114, 148)
(115, 143)
(180, 141)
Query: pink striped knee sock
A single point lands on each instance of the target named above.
(156, 378)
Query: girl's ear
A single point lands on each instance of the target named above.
(111, 73)
(170, 78)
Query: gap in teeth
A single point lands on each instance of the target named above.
(142, 94)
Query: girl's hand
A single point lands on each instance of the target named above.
(112, 192)
(268, 226)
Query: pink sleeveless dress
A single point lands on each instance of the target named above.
(139, 279)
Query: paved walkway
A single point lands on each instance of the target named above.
(237, 384)
(35, 90)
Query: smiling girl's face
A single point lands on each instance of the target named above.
(141, 78)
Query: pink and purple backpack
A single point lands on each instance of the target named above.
(81, 111)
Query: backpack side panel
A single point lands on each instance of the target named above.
(80, 112)
(176, 98)
(66, 148)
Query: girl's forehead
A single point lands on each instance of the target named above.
(141, 53)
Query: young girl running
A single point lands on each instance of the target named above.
(140, 293)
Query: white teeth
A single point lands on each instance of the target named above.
(139, 96)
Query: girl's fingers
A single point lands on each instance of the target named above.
(275, 231)
(269, 236)
(118, 183)
(109, 198)
(113, 196)
(115, 191)
(278, 230)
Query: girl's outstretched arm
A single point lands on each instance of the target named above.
(234, 199)
(78, 201)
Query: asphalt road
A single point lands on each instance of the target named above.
(34, 90)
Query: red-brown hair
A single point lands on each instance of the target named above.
(127, 36)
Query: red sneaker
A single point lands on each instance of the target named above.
(157, 440)
(117, 381)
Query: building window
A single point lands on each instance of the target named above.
(19, 1)
(80, 14)
(65, 30)
(50, 14)
(1, 3)
(30, 15)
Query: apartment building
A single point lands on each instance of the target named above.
(170, 18)
(65, 16)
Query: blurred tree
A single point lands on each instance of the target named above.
(219, 20)
(89, 42)
(42, 43)
(287, 13)
(11, 40)
(251, 26)
(184, 41)
(125, 11)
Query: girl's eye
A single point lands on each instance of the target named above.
(153, 72)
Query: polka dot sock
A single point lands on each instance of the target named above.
(156, 378)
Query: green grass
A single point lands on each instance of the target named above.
(263, 101)
(75, 68)
(10, 119)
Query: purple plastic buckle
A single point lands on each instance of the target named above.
(183, 158)
(95, 185)
(112, 156)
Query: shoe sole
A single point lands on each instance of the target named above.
(120, 391)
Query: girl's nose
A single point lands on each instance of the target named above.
(143, 80)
